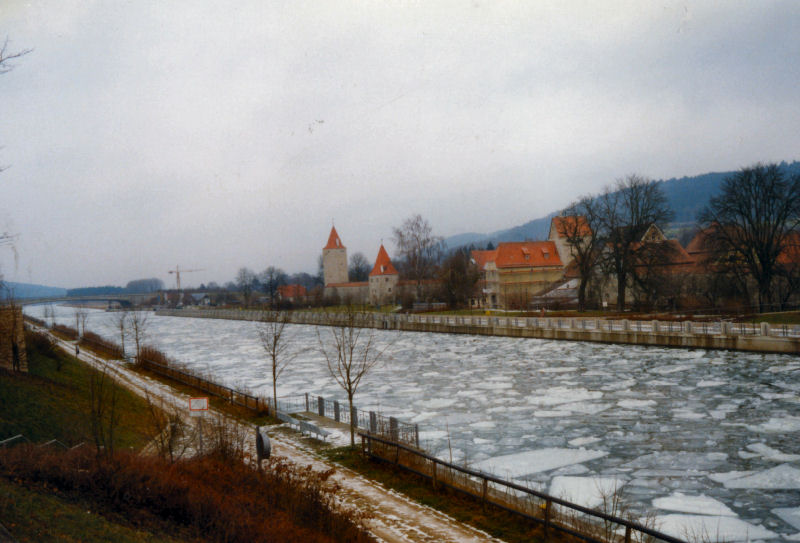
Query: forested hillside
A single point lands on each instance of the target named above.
(687, 196)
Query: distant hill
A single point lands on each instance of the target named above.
(687, 196)
(28, 290)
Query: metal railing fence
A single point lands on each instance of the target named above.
(551, 512)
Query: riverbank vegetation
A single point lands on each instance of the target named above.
(82, 494)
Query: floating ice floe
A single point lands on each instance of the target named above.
(707, 383)
(708, 528)
(520, 464)
(562, 395)
(636, 404)
(790, 515)
(777, 424)
(701, 505)
(779, 477)
(586, 491)
(768, 453)
(581, 441)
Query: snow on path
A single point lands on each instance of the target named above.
(394, 518)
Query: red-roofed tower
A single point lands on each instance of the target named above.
(383, 279)
(334, 260)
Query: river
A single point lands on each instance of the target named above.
(708, 440)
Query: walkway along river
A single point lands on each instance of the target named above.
(708, 439)
(761, 337)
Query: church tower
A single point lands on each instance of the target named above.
(334, 260)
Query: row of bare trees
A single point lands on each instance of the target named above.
(750, 236)
(605, 231)
(348, 344)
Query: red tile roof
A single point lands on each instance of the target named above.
(292, 291)
(527, 254)
(566, 226)
(482, 257)
(383, 265)
(333, 241)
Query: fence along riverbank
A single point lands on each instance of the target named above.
(759, 337)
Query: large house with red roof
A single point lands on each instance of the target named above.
(517, 271)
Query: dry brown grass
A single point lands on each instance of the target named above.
(213, 497)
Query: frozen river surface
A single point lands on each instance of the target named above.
(708, 440)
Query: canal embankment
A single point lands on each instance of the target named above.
(753, 337)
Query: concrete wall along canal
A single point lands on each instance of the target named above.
(758, 337)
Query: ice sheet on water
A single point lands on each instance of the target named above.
(701, 505)
(768, 453)
(558, 369)
(708, 528)
(779, 477)
(683, 460)
(436, 403)
(790, 515)
(722, 478)
(525, 463)
(777, 424)
(708, 383)
(581, 441)
(586, 491)
(561, 395)
(667, 370)
(636, 404)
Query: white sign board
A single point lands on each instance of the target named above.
(198, 406)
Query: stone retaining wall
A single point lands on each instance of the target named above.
(758, 337)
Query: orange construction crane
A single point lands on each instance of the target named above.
(177, 271)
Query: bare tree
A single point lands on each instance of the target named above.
(6, 65)
(359, 267)
(459, 278)
(350, 352)
(752, 221)
(582, 228)
(119, 320)
(626, 212)
(246, 283)
(138, 324)
(277, 345)
(104, 415)
(271, 279)
(419, 249)
(81, 315)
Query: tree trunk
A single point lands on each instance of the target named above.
(352, 422)
(582, 296)
(621, 280)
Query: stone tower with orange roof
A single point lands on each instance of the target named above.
(334, 260)
(383, 280)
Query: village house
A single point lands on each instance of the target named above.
(517, 271)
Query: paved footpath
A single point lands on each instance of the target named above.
(393, 518)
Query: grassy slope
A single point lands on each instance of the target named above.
(46, 404)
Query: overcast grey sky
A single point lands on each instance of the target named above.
(142, 135)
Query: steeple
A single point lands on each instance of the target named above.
(383, 264)
(333, 240)
(334, 260)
